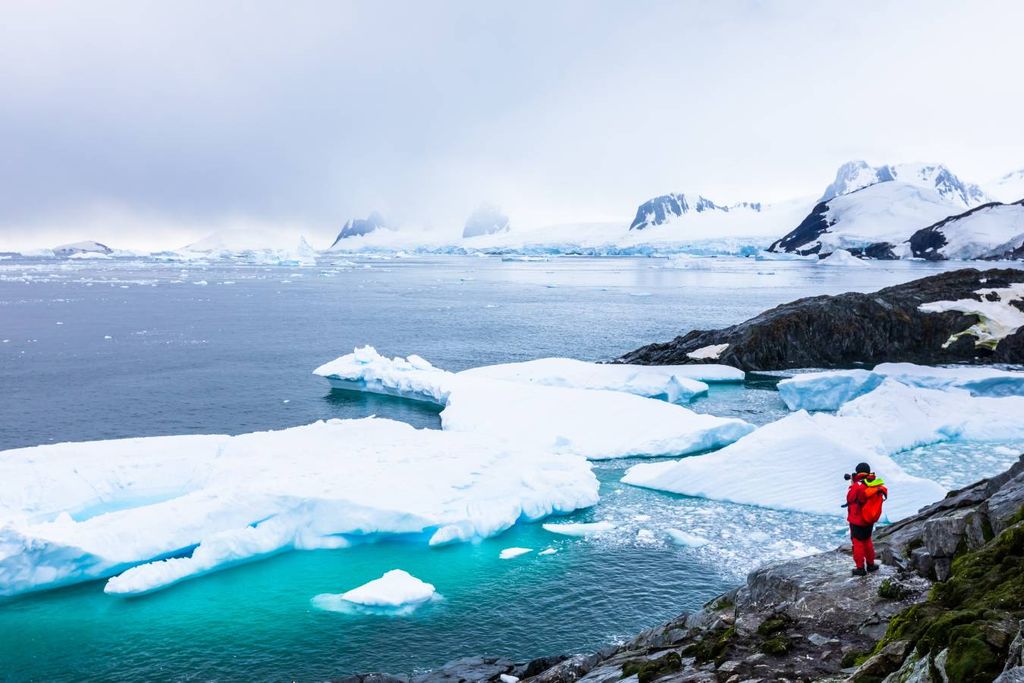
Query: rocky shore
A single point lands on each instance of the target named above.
(854, 329)
(946, 606)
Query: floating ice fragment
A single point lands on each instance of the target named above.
(683, 538)
(579, 528)
(395, 590)
(509, 553)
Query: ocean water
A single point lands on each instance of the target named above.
(106, 349)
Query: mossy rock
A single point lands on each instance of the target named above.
(776, 645)
(647, 670)
(712, 647)
(776, 623)
(893, 590)
(854, 658)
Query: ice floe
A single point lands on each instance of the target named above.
(559, 405)
(592, 423)
(688, 540)
(796, 463)
(152, 511)
(668, 382)
(579, 528)
(395, 591)
(509, 553)
(830, 389)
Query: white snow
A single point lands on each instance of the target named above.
(258, 245)
(579, 528)
(885, 212)
(670, 382)
(593, 423)
(988, 231)
(1009, 188)
(997, 319)
(705, 352)
(796, 463)
(842, 258)
(78, 511)
(395, 590)
(684, 538)
(509, 553)
(81, 248)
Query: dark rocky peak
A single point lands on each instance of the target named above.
(355, 227)
(662, 209)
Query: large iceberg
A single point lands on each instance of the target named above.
(796, 463)
(148, 512)
(593, 423)
(831, 389)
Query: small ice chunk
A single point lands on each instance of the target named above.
(547, 551)
(395, 590)
(680, 537)
(579, 528)
(509, 553)
(508, 678)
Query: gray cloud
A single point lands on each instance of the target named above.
(187, 115)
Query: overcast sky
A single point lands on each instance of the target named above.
(149, 124)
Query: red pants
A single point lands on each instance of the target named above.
(863, 547)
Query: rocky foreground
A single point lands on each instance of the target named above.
(946, 606)
(859, 329)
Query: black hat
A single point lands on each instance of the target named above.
(863, 468)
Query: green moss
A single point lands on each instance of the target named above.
(722, 604)
(647, 670)
(712, 647)
(774, 624)
(892, 590)
(776, 645)
(984, 591)
(854, 658)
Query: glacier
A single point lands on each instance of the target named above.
(148, 512)
(829, 390)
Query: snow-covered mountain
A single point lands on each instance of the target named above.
(355, 227)
(988, 231)
(84, 247)
(261, 245)
(663, 209)
(854, 175)
(1009, 188)
(486, 220)
(872, 221)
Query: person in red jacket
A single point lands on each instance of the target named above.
(864, 508)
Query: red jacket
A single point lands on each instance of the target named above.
(862, 487)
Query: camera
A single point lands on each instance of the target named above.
(847, 476)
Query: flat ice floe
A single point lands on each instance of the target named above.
(796, 463)
(78, 511)
(596, 424)
(831, 389)
(395, 592)
(579, 528)
(672, 383)
(559, 405)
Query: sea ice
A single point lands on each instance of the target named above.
(831, 389)
(509, 553)
(395, 590)
(683, 538)
(592, 423)
(579, 528)
(366, 370)
(152, 511)
(668, 382)
(796, 463)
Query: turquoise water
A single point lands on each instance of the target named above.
(236, 357)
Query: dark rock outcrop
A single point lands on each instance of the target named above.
(809, 619)
(355, 227)
(851, 329)
(661, 209)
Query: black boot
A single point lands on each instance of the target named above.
(859, 572)
(872, 567)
